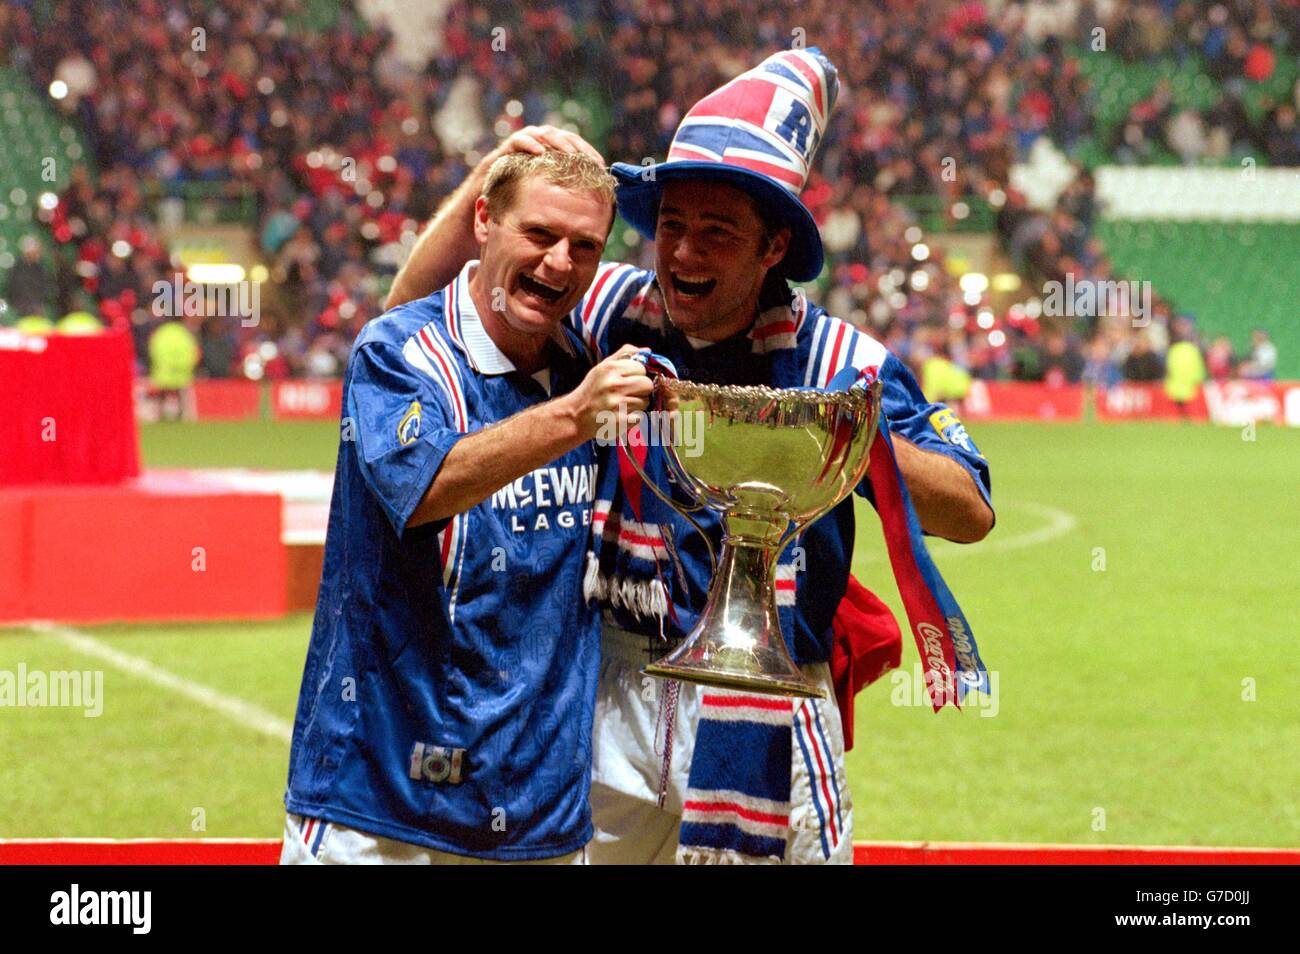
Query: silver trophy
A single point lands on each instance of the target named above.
(771, 462)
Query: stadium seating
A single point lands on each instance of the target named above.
(602, 93)
(1117, 86)
(1233, 276)
(30, 133)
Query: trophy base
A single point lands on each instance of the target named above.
(745, 682)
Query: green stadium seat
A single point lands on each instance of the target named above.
(30, 129)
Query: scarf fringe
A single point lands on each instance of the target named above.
(593, 585)
(644, 599)
(695, 855)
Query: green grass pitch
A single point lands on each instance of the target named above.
(1137, 603)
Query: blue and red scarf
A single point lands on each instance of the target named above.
(737, 805)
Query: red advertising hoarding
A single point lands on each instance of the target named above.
(307, 400)
(1023, 401)
(1140, 401)
(235, 399)
(1237, 403)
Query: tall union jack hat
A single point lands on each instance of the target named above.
(759, 133)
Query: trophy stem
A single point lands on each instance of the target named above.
(737, 643)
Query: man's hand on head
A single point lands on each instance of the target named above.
(448, 241)
(537, 139)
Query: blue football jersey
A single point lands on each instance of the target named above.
(450, 681)
(625, 306)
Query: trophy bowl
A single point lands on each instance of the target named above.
(770, 461)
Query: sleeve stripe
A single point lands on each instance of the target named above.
(437, 351)
(603, 298)
(851, 356)
(594, 293)
(833, 364)
(460, 563)
(582, 311)
(818, 351)
(452, 298)
(449, 538)
(851, 348)
(416, 355)
(869, 352)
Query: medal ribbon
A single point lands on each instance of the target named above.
(943, 636)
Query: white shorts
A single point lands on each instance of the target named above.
(313, 841)
(630, 828)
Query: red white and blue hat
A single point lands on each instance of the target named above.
(759, 133)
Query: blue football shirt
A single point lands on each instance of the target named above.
(449, 687)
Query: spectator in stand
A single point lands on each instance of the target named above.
(1229, 127)
(1263, 358)
(1145, 125)
(1062, 363)
(30, 291)
(1187, 137)
(336, 143)
(943, 381)
(217, 344)
(1220, 361)
(1142, 363)
(1100, 370)
(1281, 136)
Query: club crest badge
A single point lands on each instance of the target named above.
(949, 426)
(408, 429)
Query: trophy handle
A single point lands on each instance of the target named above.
(683, 510)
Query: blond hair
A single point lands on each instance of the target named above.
(570, 170)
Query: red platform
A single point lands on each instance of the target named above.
(160, 547)
(237, 851)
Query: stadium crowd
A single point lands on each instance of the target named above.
(342, 151)
(1234, 44)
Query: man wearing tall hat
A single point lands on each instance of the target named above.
(701, 775)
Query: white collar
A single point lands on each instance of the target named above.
(467, 328)
(472, 338)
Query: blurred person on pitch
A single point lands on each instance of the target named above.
(1184, 366)
(704, 775)
(446, 706)
(173, 356)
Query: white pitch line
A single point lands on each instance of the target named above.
(1059, 523)
(237, 710)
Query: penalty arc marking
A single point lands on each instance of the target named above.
(1057, 524)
